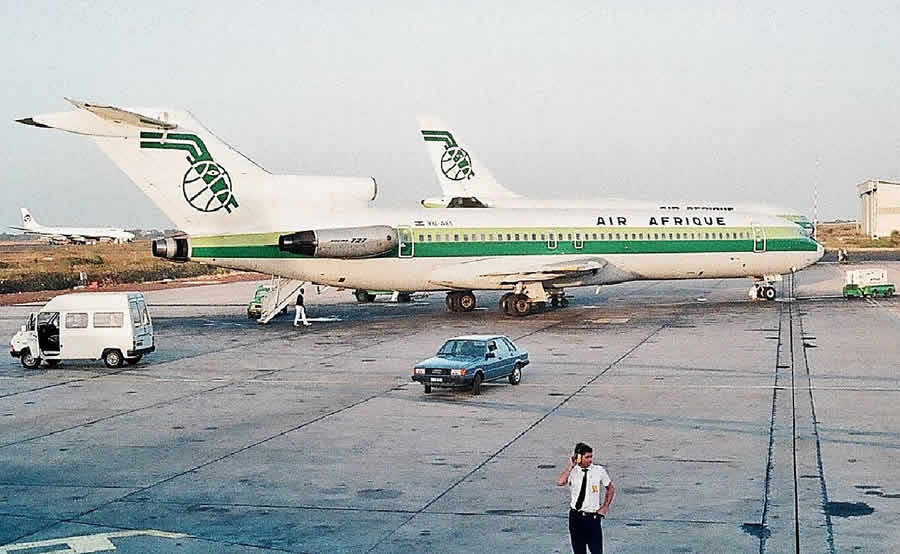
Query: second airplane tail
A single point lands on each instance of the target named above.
(459, 173)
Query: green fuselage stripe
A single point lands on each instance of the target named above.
(529, 248)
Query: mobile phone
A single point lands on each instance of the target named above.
(577, 459)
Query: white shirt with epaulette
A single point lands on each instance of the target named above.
(598, 479)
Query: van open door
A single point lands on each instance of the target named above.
(48, 332)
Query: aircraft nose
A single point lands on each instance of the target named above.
(820, 251)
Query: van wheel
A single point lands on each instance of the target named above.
(52, 363)
(427, 389)
(476, 384)
(516, 376)
(29, 360)
(113, 358)
(135, 360)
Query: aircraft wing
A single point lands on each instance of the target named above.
(19, 228)
(498, 271)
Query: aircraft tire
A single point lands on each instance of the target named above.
(564, 302)
(404, 297)
(521, 305)
(51, 363)
(467, 301)
(506, 302)
(768, 293)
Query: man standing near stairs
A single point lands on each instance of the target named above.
(300, 311)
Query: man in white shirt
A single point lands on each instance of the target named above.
(585, 510)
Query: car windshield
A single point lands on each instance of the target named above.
(462, 349)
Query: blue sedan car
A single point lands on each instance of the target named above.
(470, 361)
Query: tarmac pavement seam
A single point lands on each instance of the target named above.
(534, 424)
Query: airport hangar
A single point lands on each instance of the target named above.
(879, 208)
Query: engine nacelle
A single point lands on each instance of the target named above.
(171, 248)
(343, 242)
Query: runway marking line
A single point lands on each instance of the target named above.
(88, 543)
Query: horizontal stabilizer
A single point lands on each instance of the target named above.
(118, 115)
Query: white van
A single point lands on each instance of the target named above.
(111, 326)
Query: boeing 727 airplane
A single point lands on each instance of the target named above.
(77, 235)
(236, 214)
(466, 182)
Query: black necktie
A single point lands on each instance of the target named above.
(582, 492)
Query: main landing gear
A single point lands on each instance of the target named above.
(521, 303)
(461, 301)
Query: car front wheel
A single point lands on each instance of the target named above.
(476, 384)
(29, 360)
(516, 376)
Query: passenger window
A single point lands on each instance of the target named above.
(727, 235)
(482, 237)
(421, 238)
(602, 236)
(595, 236)
(742, 235)
(456, 237)
(633, 236)
(552, 236)
(533, 236)
(108, 319)
(517, 236)
(508, 237)
(617, 236)
(655, 236)
(570, 236)
(577, 236)
(76, 321)
(670, 236)
(543, 236)
(692, 236)
(491, 236)
(677, 236)
(720, 236)
(707, 236)
(465, 237)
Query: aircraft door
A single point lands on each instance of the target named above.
(759, 238)
(405, 247)
(48, 332)
(551, 241)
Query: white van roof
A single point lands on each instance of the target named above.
(90, 300)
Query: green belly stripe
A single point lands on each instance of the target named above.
(525, 248)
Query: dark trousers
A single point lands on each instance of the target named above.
(586, 532)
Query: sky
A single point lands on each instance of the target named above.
(742, 101)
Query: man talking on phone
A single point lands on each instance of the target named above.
(585, 510)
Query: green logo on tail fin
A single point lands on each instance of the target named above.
(456, 164)
(206, 185)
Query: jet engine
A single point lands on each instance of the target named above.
(171, 248)
(341, 242)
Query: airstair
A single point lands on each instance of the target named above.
(284, 292)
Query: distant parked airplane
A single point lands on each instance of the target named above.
(78, 235)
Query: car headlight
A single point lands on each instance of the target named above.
(419, 371)
(458, 372)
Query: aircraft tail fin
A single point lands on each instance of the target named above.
(201, 183)
(458, 172)
(28, 220)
